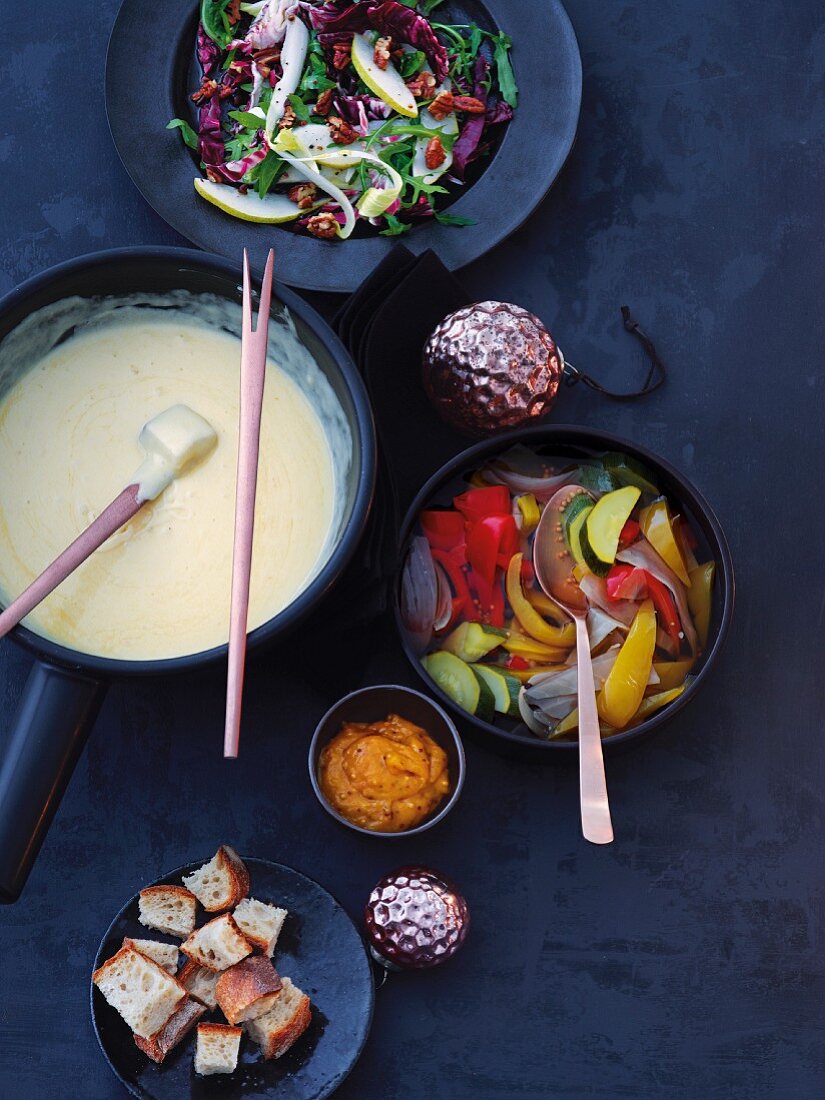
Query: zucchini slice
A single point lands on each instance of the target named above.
(629, 471)
(574, 517)
(472, 641)
(457, 680)
(601, 531)
(504, 688)
(598, 479)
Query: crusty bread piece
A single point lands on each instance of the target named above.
(176, 1027)
(285, 1022)
(217, 1049)
(200, 982)
(218, 944)
(170, 909)
(140, 990)
(260, 923)
(164, 954)
(220, 883)
(248, 989)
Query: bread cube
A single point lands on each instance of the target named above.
(217, 1049)
(220, 883)
(169, 909)
(218, 944)
(140, 990)
(247, 989)
(260, 923)
(200, 982)
(164, 954)
(277, 1030)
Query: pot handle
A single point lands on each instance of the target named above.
(48, 733)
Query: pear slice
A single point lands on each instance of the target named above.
(387, 83)
(448, 126)
(271, 210)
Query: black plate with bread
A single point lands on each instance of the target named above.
(274, 996)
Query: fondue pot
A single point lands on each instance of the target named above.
(65, 688)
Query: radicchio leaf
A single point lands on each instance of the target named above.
(498, 112)
(234, 170)
(340, 16)
(207, 52)
(210, 138)
(355, 109)
(466, 146)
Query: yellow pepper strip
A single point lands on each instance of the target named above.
(478, 482)
(530, 620)
(656, 702)
(547, 607)
(700, 595)
(671, 674)
(524, 674)
(648, 706)
(624, 688)
(520, 645)
(657, 528)
(530, 514)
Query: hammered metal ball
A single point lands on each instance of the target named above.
(491, 366)
(415, 919)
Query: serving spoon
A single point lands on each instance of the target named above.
(173, 441)
(553, 565)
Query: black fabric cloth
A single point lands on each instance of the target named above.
(385, 325)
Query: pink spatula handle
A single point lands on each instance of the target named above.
(253, 373)
(120, 511)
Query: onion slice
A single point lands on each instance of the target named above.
(419, 593)
(444, 601)
(642, 555)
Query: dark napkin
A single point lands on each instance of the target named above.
(385, 325)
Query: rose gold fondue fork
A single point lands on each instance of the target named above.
(253, 374)
(172, 441)
(553, 565)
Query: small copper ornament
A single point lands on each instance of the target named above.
(415, 919)
(491, 366)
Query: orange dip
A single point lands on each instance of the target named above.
(387, 776)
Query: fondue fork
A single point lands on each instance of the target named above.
(172, 441)
(253, 374)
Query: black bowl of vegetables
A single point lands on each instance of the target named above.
(648, 553)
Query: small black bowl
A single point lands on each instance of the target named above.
(372, 704)
(568, 441)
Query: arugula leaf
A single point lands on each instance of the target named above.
(247, 119)
(395, 227)
(411, 63)
(215, 21)
(427, 6)
(506, 79)
(299, 107)
(268, 172)
(189, 136)
(452, 219)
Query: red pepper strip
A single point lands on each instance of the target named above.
(443, 530)
(491, 541)
(629, 533)
(528, 573)
(497, 605)
(493, 500)
(458, 579)
(665, 607)
(626, 582)
(516, 662)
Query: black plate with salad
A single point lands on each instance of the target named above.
(646, 550)
(329, 128)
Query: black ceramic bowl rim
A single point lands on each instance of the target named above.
(457, 786)
(363, 431)
(596, 440)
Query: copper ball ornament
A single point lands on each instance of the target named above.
(491, 366)
(415, 919)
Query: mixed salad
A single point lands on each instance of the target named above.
(327, 113)
(497, 645)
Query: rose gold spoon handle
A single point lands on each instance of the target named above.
(554, 568)
(595, 807)
(253, 374)
(120, 511)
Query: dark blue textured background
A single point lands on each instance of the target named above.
(688, 959)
